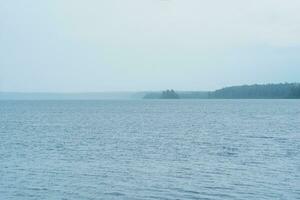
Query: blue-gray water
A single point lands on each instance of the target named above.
(185, 149)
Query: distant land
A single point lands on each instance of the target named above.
(256, 91)
(266, 91)
(167, 94)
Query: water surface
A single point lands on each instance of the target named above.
(180, 149)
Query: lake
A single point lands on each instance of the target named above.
(150, 149)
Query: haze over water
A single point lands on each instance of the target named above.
(134, 45)
(151, 149)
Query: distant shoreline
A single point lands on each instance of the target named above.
(266, 91)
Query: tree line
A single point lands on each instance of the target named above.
(266, 91)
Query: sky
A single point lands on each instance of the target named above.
(142, 45)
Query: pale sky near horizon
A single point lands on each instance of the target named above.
(137, 45)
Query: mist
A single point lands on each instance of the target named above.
(132, 45)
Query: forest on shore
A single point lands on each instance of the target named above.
(266, 91)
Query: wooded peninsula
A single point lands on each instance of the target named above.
(266, 91)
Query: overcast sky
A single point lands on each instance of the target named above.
(134, 45)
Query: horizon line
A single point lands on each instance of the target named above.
(137, 91)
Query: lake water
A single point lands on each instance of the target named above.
(180, 149)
